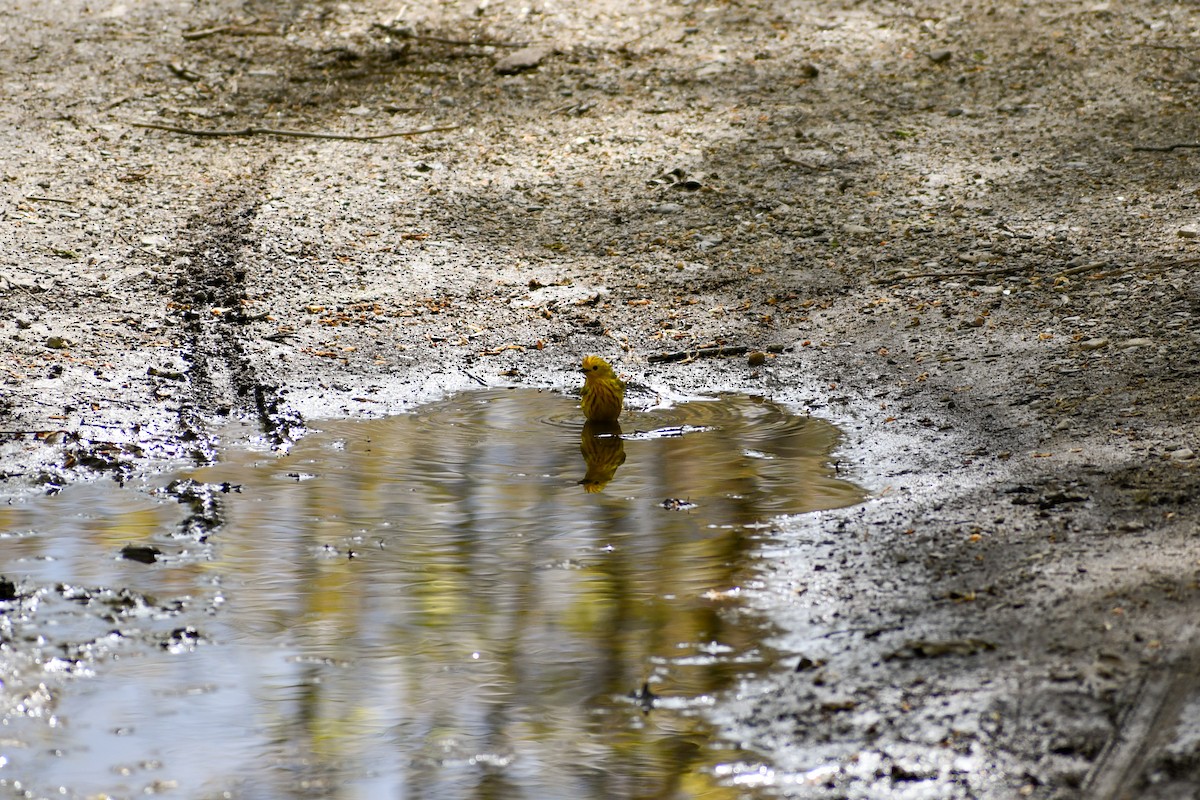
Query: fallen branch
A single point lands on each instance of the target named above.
(243, 29)
(709, 352)
(1083, 268)
(1166, 148)
(967, 273)
(37, 198)
(406, 33)
(252, 131)
(192, 36)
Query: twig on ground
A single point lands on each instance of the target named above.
(708, 352)
(35, 198)
(1081, 268)
(405, 33)
(1166, 148)
(183, 73)
(966, 273)
(253, 131)
(205, 32)
(244, 29)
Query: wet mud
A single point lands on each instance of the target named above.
(211, 308)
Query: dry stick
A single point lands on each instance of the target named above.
(407, 34)
(1121, 269)
(201, 34)
(295, 134)
(1083, 268)
(970, 273)
(708, 352)
(43, 199)
(243, 29)
(1166, 148)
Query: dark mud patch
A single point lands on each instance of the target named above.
(211, 301)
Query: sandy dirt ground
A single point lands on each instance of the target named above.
(968, 233)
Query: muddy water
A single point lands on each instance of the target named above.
(476, 600)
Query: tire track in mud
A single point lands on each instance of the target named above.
(1152, 752)
(210, 290)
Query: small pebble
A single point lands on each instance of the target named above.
(1189, 232)
(523, 59)
(56, 343)
(1129, 344)
(1094, 344)
(1183, 454)
(757, 358)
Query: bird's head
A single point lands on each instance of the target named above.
(595, 365)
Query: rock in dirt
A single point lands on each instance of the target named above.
(524, 59)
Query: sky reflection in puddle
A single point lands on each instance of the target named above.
(453, 603)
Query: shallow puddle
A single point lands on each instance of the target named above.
(475, 600)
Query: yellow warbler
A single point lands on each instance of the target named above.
(603, 393)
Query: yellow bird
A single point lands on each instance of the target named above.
(603, 394)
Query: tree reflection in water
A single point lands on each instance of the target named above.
(439, 610)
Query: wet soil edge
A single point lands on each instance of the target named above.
(210, 301)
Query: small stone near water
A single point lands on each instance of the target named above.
(757, 358)
(143, 554)
(1094, 344)
(524, 59)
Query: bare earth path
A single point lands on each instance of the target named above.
(971, 232)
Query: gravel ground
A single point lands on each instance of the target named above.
(967, 233)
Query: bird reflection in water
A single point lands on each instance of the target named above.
(603, 451)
